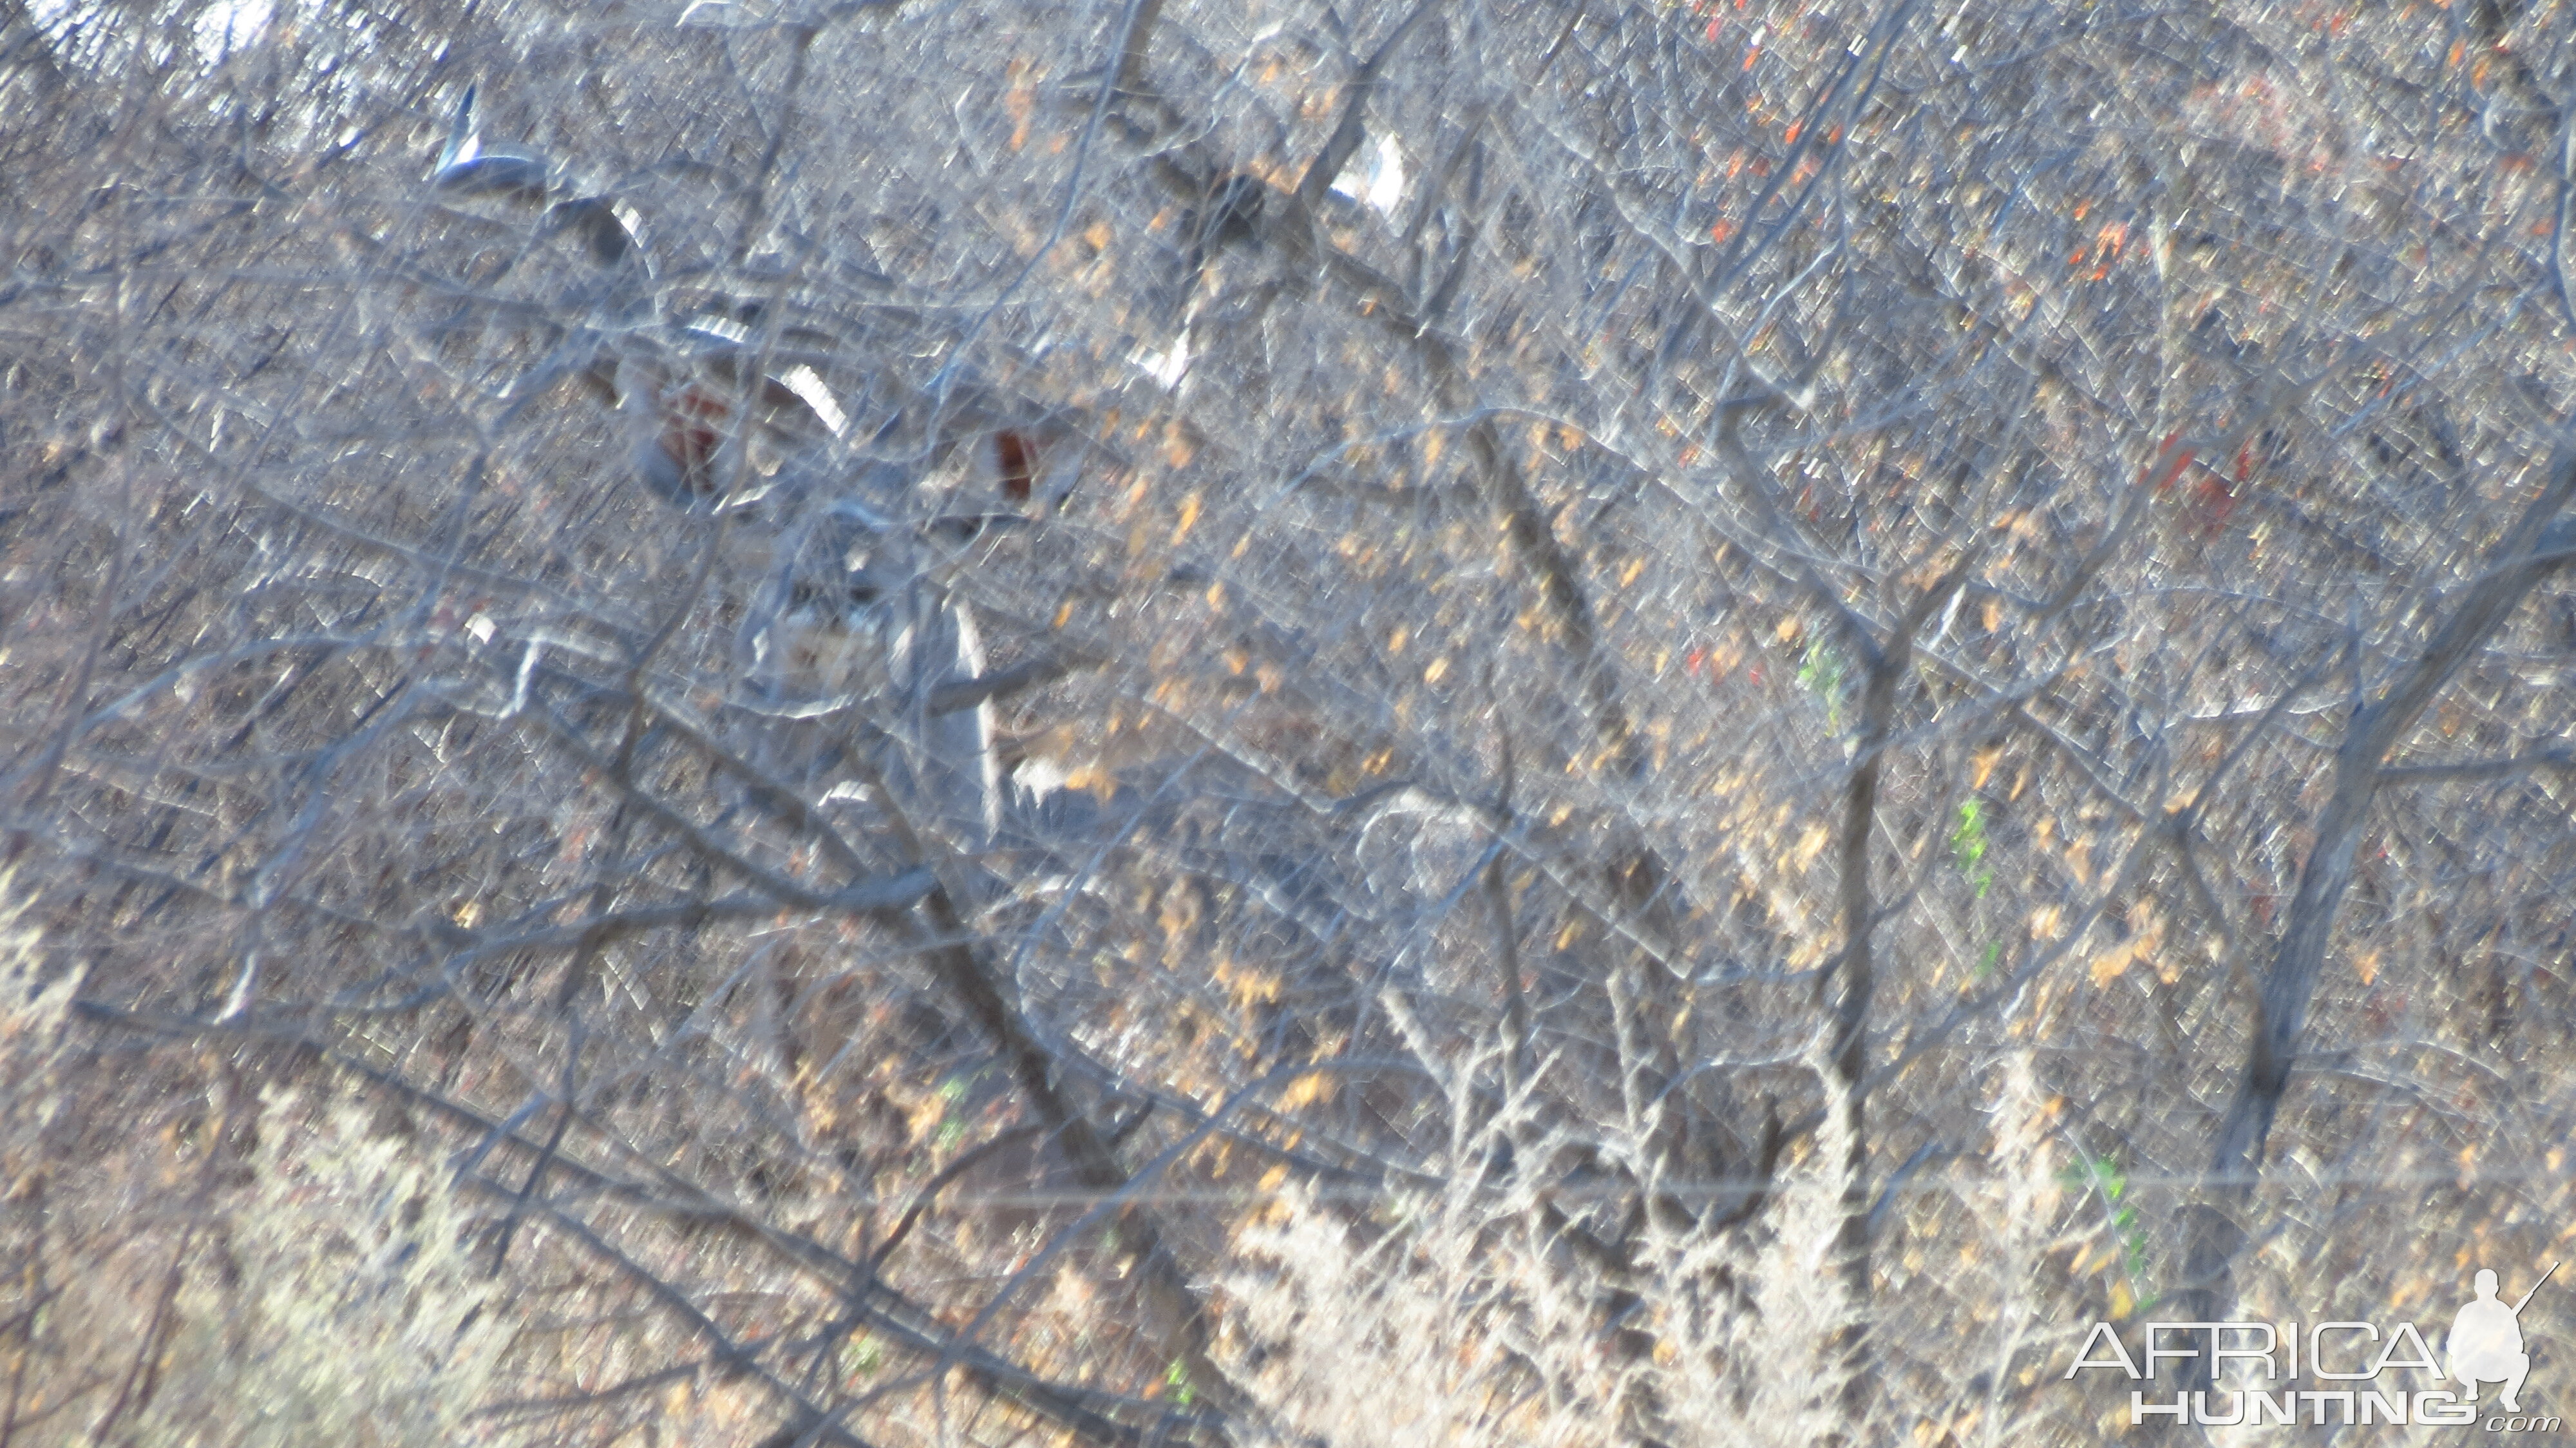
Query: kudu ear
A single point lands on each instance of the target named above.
(1033, 463)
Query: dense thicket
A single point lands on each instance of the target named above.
(1681, 723)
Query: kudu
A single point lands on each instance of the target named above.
(841, 508)
(835, 536)
(839, 511)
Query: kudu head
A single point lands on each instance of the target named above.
(844, 508)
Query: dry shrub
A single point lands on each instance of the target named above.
(1448, 1321)
(318, 1288)
(355, 1313)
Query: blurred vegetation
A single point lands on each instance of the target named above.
(1676, 723)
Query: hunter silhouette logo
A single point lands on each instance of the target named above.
(2485, 1344)
(2346, 1373)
